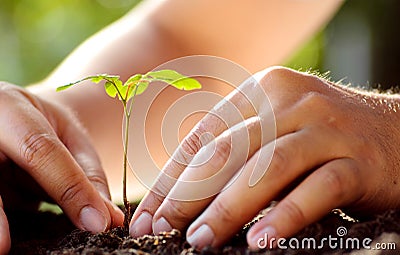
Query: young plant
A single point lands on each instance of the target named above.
(126, 92)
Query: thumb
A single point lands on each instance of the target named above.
(32, 143)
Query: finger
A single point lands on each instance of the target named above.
(334, 185)
(75, 138)
(117, 216)
(289, 121)
(207, 174)
(5, 240)
(85, 155)
(29, 140)
(293, 156)
(77, 142)
(236, 107)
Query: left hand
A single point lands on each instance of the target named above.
(45, 155)
(335, 147)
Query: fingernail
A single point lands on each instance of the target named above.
(202, 237)
(260, 240)
(92, 220)
(142, 225)
(161, 225)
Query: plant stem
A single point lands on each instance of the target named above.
(125, 166)
(127, 113)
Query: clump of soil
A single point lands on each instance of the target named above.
(50, 234)
(116, 241)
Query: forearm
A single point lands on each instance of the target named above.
(254, 34)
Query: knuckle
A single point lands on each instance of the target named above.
(279, 160)
(294, 212)
(221, 153)
(315, 98)
(191, 144)
(278, 72)
(8, 90)
(35, 149)
(335, 181)
(277, 76)
(300, 85)
(224, 213)
(70, 191)
(155, 198)
(163, 185)
(98, 180)
(5, 91)
(4, 86)
(179, 212)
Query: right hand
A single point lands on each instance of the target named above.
(45, 153)
(333, 147)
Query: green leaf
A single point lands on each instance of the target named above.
(94, 78)
(129, 85)
(133, 79)
(111, 89)
(141, 87)
(135, 85)
(186, 84)
(100, 77)
(175, 79)
(113, 86)
(64, 87)
(138, 83)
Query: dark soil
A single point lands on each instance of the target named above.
(47, 233)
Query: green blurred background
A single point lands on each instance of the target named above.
(360, 45)
(36, 35)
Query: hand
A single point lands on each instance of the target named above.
(44, 153)
(335, 147)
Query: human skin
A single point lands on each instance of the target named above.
(65, 123)
(337, 144)
(41, 148)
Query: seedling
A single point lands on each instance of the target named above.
(126, 92)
